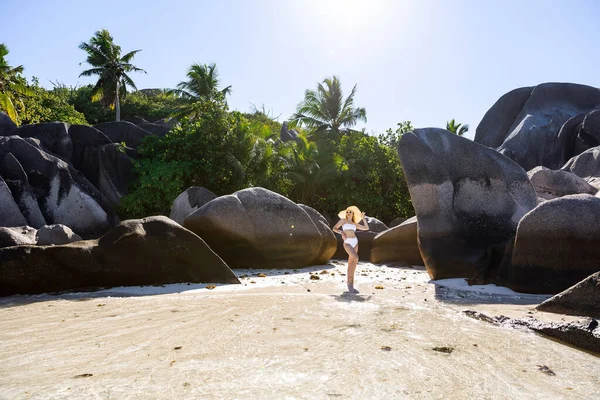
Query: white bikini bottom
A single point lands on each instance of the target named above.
(351, 241)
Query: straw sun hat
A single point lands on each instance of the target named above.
(356, 214)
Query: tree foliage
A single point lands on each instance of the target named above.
(110, 67)
(44, 105)
(13, 87)
(221, 150)
(325, 109)
(456, 128)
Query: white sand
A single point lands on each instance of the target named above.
(286, 336)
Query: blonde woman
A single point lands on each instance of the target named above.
(349, 222)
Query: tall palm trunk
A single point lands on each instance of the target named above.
(118, 104)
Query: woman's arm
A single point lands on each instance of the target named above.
(335, 228)
(366, 224)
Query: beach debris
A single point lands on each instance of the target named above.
(378, 287)
(386, 348)
(324, 272)
(314, 277)
(443, 349)
(177, 348)
(308, 290)
(262, 275)
(83, 375)
(101, 305)
(252, 282)
(546, 370)
(171, 363)
(210, 287)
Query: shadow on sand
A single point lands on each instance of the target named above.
(348, 297)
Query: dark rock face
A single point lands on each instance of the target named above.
(257, 228)
(396, 222)
(16, 236)
(543, 125)
(397, 244)
(123, 131)
(467, 198)
(557, 245)
(583, 334)
(155, 129)
(53, 136)
(86, 142)
(55, 234)
(6, 124)
(498, 120)
(375, 225)
(115, 171)
(328, 243)
(149, 251)
(583, 299)
(287, 134)
(550, 184)
(64, 195)
(189, 201)
(18, 183)
(10, 215)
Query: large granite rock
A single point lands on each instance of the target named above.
(556, 245)
(149, 251)
(328, 243)
(257, 228)
(86, 142)
(16, 236)
(10, 215)
(525, 124)
(56, 234)
(63, 194)
(115, 171)
(17, 181)
(123, 131)
(53, 136)
(583, 334)
(155, 129)
(582, 299)
(550, 184)
(397, 221)
(189, 201)
(6, 124)
(586, 165)
(467, 197)
(397, 244)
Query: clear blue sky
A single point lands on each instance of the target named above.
(418, 60)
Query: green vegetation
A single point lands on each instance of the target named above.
(13, 87)
(202, 84)
(105, 58)
(456, 128)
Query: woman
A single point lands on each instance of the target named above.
(349, 222)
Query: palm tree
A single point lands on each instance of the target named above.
(458, 129)
(12, 86)
(326, 109)
(308, 170)
(105, 56)
(202, 84)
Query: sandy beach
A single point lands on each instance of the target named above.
(287, 334)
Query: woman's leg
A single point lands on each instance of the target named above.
(352, 261)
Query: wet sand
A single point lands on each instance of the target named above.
(286, 336)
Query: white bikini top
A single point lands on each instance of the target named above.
(348, 227)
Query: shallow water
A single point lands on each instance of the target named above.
(273, 340)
